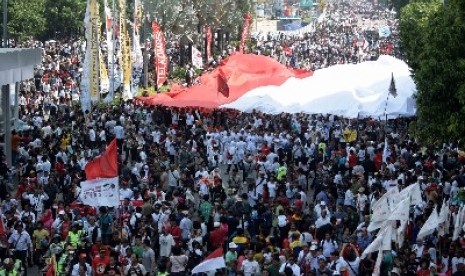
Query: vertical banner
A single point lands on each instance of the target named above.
(197, 61)
(109, 36)
(245, 32)
(137, 58)
(209, 37)
(126, 64)
(94, 52)
(161, 59)
(104, 81)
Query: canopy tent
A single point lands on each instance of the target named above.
(251, 82)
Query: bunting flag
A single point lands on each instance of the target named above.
(401, 211)
(390, 197)
(430, 225)
(105, 166)
(197, 61)
(413, 192)
(458, 223)
(386, 151)
(209, 38)
(245, 32)
(382, 241)
(161, 59)
(443, 219)
(392, 87)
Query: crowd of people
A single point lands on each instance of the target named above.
(288, 194)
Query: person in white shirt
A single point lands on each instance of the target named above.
(249, 266)
(92, 137)
(119, 134)
(292, 265)
(166, 242)
(22, 244)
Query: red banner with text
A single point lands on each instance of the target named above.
(161, 59)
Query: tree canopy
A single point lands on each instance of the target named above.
(433, 38)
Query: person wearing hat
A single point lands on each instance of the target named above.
(82, 264)
(20, 242)
(231, 255)
(217, 236)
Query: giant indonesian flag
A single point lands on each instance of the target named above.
(214, 261)
(247, 82)
(104, 166)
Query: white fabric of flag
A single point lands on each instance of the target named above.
(197, 60)
(401, 211)
(413, 192)
(443, 219)
(430, 225)
(382, 241)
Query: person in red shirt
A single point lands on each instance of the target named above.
(217, 236)
(378, 159)
(100, 262)
(175, 231)
(98, 247)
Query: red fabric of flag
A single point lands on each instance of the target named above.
(105, 166)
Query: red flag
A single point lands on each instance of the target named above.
(161, 59)
(245, 32)
(208, 33)
(213, 262)
(105, 166)
(51, 267)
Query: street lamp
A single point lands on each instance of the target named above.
(5, 22)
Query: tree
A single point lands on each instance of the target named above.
(26, 18)
(434, 40)
(65, 18)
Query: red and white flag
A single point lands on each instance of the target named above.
(214, 261)
(245, 32)
(197, 61)
(161, 59)
(105, 166)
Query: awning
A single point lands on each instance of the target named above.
(17, 64)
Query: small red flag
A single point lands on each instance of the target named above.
(105, 166)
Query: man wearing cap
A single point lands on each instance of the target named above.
(20, 242)
(82, 263)
(231, 255)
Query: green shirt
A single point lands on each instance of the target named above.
(205, 210)
(230, 256)
(138, 250)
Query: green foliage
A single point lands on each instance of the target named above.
(178, 73)
(64, 17)
(433, 38)
(25, 18)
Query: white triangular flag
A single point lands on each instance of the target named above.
(382, 240)
(390, 196)
(443, 217)
(430, 225)
(413, 192)
(458, 224)
(401, 211)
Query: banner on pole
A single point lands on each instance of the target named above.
(245, 32)
(100, 192)
(208, 33)
(94, 47)
(197, 61)
(161, 59)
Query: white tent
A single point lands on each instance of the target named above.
(348, 90)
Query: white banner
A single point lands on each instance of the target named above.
(430, 225)
(413, 192)
(197, 61)
(100, 192)
(401, 211)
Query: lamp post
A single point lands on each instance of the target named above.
(5, 22)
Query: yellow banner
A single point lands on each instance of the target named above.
(94, 51)
(127, 60)
(103, 68)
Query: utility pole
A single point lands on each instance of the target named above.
(5, 22)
